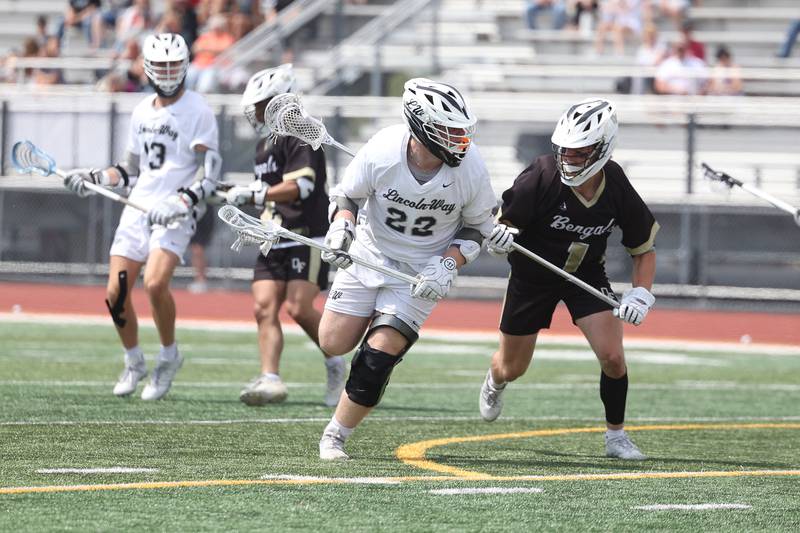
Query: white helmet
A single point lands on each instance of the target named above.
(166, 58)
(262, 86)
(592, 122)
(438, 117)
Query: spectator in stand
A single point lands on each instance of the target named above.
(180, 17)
(791, 37)
(677, 10)
(129, 76)
(582, 16)
(681, 73)
(108, 20)
(650, 54)
(41, 30)
(271, 10)
(558, 9)
(49, 76)
(695, 48)
(621, 18)
(29, 49)
(202, 75)
(250, 10)
(726, 77)
(81, 13)
(134, 21)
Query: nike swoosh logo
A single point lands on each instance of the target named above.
(446, 185)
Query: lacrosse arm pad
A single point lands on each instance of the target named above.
(209, 162)
(128, 170)
(468, 241)
(341, 203)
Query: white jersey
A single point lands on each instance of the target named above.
(164, 139)
(408, 221)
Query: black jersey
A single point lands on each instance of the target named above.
(560, 225)
(287, 159)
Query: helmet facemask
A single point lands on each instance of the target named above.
(576, 163)
(261, 88)
(166, 77)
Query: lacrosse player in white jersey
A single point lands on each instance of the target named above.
(422, 196)
(172, 163)
(290, 190)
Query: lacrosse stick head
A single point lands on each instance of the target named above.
(27, 158)
(718, 181)
(285, 115)
(249, 230)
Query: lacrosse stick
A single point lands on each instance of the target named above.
(566, 275)
(27, 158)
(251, 230)
(730, 182)
(285, 115)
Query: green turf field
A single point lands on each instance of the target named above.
(721, 427)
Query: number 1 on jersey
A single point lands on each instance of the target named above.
(577, 251)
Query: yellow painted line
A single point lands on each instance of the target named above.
(149, 485)
(414, 454)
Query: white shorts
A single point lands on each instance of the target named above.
(135, 238)
(359, 291)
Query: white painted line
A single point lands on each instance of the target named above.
(682, 385)
(692, 507)
(390, 419)
(768, 349)
(488, 490)
(110, 470)
(351, 480)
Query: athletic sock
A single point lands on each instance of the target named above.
(613, 393)
(331, 362)
(134, 357)
(493, 384)
(611, 433)
(271, 376)
(169, 353)
(334, 426)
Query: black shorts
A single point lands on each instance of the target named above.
(204, 228)
(294, 262)
(528, 307)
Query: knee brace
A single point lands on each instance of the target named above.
(369, 374)
(118, 308)
(391, 321)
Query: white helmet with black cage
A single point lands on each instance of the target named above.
(589, 123)
(166, 59)
(438, 117)
(262, 86)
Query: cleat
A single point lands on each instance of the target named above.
(161, 381)
(622, 447)
(129, 380)
(490, 402)
(263, 390)
(337, 376)
(331, 447)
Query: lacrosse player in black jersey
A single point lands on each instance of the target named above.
(290, 187)
(563, 207)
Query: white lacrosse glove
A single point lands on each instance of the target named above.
(175, 207)
(339, 238)
(501, 240)
(635, 304)
(76, 180)
(435, 280)
(253, 194)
